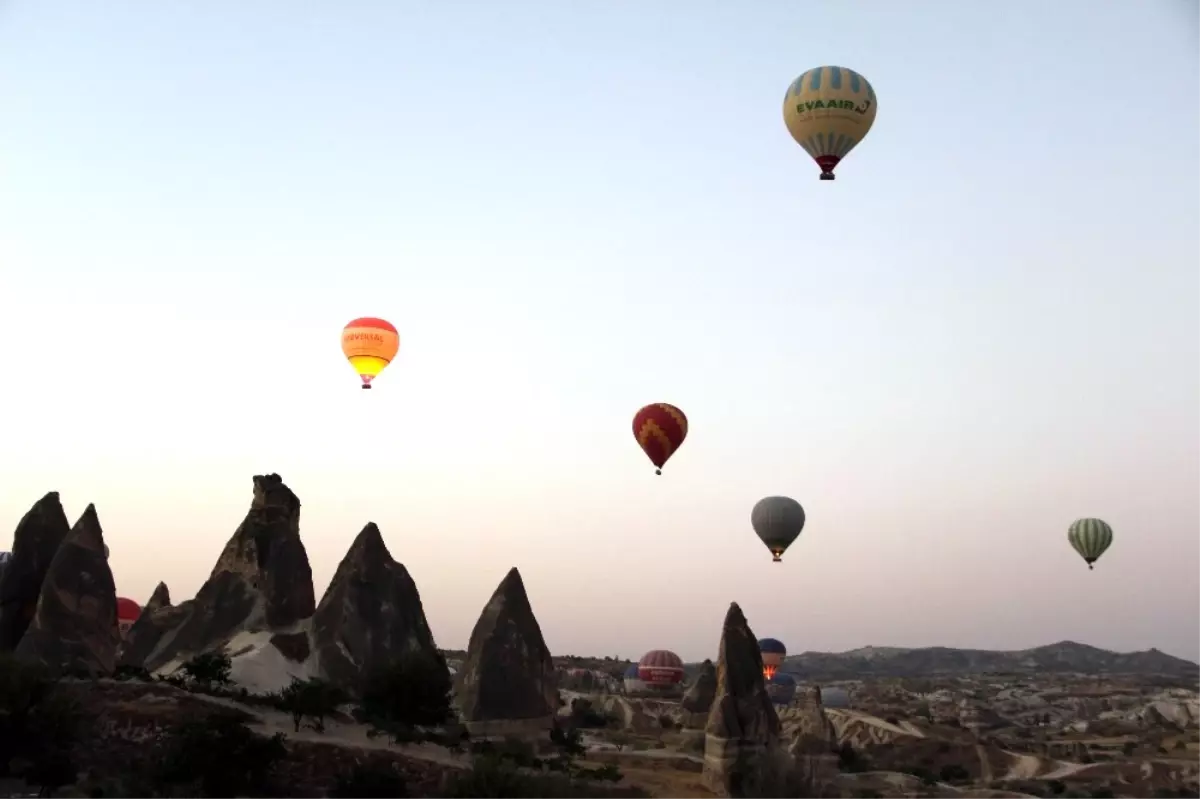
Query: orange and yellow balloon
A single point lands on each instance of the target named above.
(370, 344)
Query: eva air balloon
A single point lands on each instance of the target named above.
(828, 111)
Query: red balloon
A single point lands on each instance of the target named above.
(660, 667)
(660, 429)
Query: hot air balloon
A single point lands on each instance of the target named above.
(781, 688)
(127, 613)
(660, 668)
(660, 429)
(1090, 538)
(778, 522)
(370, 344)
(828, 111)
(773, 652)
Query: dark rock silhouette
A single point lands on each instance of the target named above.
(38, 536)
(742, 725)
(75, 625)
(371, 614)
(698, 699)
(158, 618)
(261, 581)
(507, 683)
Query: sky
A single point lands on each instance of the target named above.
(986, 327)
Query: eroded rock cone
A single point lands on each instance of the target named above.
(743, 729)
(158, 617)
(75, 625)
(38, 536)
(507, 683)
(370, 616)
(698, 699)
(261, 581)
(814, 732)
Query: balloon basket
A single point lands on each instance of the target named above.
(366, 386)
(828, 176)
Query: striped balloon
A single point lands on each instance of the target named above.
(660, 429)
(828, 111)
(660, 667)
(1090, 538)
(370, 344)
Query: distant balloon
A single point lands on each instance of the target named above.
(828, 111)
(773, 652)
(1090, 538)
(127, 613)
(781, 688)
(778, 522)
(660, 429)
(660, 668)
(370, 344)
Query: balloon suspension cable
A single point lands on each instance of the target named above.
(777, 557)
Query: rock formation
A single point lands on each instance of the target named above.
(158, 618)
(37, 538)
(262, 581)
(743, 729)
(507, 683)
(698, 699)
(370, 615)
(814, 732)
(75, 625)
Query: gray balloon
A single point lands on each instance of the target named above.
(778, 522)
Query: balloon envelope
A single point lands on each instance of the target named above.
(370, 344)
(660, 667)
(781, 688)
(1090, 538)
(778, 522)
(828, 111)
(660, 429)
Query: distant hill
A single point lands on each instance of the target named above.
(1065, 656)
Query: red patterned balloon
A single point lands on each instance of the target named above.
(660, 667)
(660, 429)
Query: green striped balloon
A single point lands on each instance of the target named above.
(1090, 537)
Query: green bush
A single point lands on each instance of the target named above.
(490, 776)
(40, 723)
(414, 691)
(219, 756)
(368, 782)
(208, 669)
(312, 699)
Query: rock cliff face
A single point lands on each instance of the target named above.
(75, 624)
(507, 683)
(698, 699)
(262, 581)
(38, 536)
(742, 725)
(370, 615)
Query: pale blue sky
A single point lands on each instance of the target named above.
(984, 329)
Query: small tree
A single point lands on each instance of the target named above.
(208, 669)
(313, 699)
(413, 691)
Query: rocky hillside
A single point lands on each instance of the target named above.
(1066, 656)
